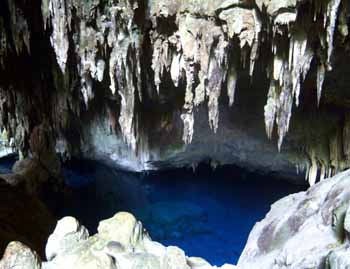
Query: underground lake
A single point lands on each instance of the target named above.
(208, 213)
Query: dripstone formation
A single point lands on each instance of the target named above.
(148, 85)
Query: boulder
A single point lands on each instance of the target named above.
(122, 228)
(302, 229)
(175, 258)
(67, 234)
(120, 243)
(19, 256)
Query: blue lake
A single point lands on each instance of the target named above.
(206, 213)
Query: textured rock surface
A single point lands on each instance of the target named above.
(121, 242)
(67, 234)
(303, 230)
(19, 256)
(148, 85)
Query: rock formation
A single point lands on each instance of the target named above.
(121, 242)
(304, 230)
(156, 84)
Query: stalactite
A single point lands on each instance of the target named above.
(321, 70)
(270, 109)
(313, 171)
(187, 114)
(331, 16)
(231, 84)
(3, 43)
(19, 28)
(59, 36)
(192, 45)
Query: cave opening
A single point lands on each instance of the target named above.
(208, 213)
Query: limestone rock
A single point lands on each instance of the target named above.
(120, 243)
(67, 234)
(339, 258)
(175, 258)
(122, 228)
(154, 85)
(19, 256)
(302, 229)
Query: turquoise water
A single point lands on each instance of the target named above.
(206, 213)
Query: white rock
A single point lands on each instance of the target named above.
(67, 234)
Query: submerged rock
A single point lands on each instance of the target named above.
(173, 219)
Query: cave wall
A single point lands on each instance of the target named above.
(155, 84)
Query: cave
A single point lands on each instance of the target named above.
(174, 134)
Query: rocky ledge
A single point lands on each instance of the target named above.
(121, 242)
(306, 230)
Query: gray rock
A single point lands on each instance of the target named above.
(339, 258)
(301, 229)
(347, 222)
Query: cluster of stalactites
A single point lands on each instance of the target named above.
(329, 156)
(198, 54)
(288, 71)
(20, 33)
(114, 31)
